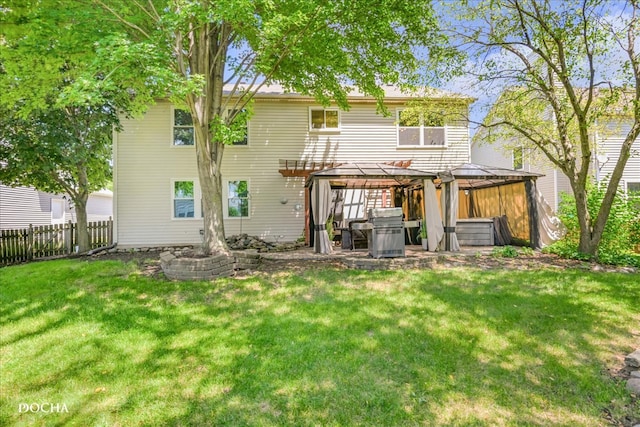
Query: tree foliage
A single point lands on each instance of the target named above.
(213, 56)
(564, 69)
(621, 236)
(61, 151)
(50, 138)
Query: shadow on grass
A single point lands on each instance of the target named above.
(321, 347)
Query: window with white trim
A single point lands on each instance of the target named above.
(633, 192)
(324, 119)
(418, 128)
(518, 158)
(238, 199)
(57, 211)
(184, 197)
(183, 132)
(241, 120)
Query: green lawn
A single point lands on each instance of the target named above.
(325, 347)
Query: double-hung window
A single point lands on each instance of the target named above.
(324, 119)
(518, 158)
(240, 124)
(184, 197)
(57, 211)
(183, 133)
(633, 191)
(420, 128)
(238, 199)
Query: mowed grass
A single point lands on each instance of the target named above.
(324, 347)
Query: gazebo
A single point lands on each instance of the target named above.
(474, 181)
(361, 176)
(471, 180)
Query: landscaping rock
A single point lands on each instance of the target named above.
(635, 374)
(243, 241)
(633, 359)
(633, 385)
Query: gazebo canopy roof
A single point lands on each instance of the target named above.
(470, 175)
(371, 175)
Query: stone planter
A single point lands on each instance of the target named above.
(205, 268)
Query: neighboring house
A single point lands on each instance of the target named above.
(157, 193)
(608, 141)
(24, 206)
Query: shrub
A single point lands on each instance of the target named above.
(504, 252)
(621, 233)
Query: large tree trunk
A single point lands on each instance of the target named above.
(586, 245)
(591, 229)
(80, 198)
(208, 45)
(209, 155)
(82, 232)
(82, 225)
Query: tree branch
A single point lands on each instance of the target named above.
(122, 19)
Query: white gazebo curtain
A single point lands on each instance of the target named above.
(435, 230)
(321, 200)
(449, 204)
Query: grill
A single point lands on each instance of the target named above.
(386, 239)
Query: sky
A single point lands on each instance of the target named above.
(614, 12)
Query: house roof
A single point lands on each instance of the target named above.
(391, 93)
(371, 175)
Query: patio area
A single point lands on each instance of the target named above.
(415, 257)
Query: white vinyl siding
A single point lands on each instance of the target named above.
(278, 130)
(609, 145)
(100, 206)
(145, 167)
(22, 206)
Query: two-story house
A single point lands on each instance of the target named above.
(157, 194)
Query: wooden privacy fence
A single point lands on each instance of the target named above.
(50, 240)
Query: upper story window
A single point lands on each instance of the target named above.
(420, 129)
(240, 123)
(183, 133)
(324, 119)
(518, 158)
